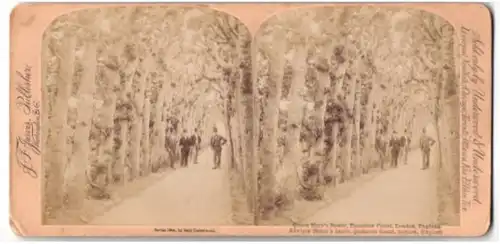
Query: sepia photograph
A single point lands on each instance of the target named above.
(146, 115)
(252, 119)
(359, 117)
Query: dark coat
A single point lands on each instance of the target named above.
(185, 143)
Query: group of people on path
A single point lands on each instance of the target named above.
(190, 147)
(400, 147)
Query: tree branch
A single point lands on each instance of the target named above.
(218, 60)
(218, 37)
(425, 61)
(224, 32)
(217, 89)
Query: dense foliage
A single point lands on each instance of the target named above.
(122, 83)
(347, 80)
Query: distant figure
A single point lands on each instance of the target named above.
(380, 147)
(171, 146)
(395, 144)
(426, 142)
(406, 146)
(216, 142)
(196, 141)
(185, 144)
(402, 146)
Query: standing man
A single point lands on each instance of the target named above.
(216, 142)
(395, 144)
(406, 148)
(402, 145)
(171, 146)
(380, 146)
(196, 140)
(185, 144)
(426, 142)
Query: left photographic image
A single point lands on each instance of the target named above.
(145, 114)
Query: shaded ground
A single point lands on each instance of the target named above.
(403, 195)
(196, 195)
(242, 214)
(303, 209)
(119, 193)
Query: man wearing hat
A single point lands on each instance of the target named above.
(185, 144)
(216, 142)
(395, 144)
(426, 142)
(196, 142)
(406, 146)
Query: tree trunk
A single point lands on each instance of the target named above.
(350, 124)
(380, 159)
(240, 132)
(294, 125)
(60, 129)
(236, 141)
(438, 132)
(158, 154)
(137, 125)
(105, 151)
(371, 127)
(449, 124)
(334, 151)
(248, 94)
(322, 89)
(146, 143)
(76, 172)
(320, 107)
(357, 125)
(340, 76)
(227, 122)
(452, 115)
(121, 166)
(450, 168)
(269, 148)
(438, 108)
(240, 122)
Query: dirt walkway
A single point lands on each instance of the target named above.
(196, 195)
(406, 195)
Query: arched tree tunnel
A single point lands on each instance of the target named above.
(150, 74)
(308, 109)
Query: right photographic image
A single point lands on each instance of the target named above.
(358, 111)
